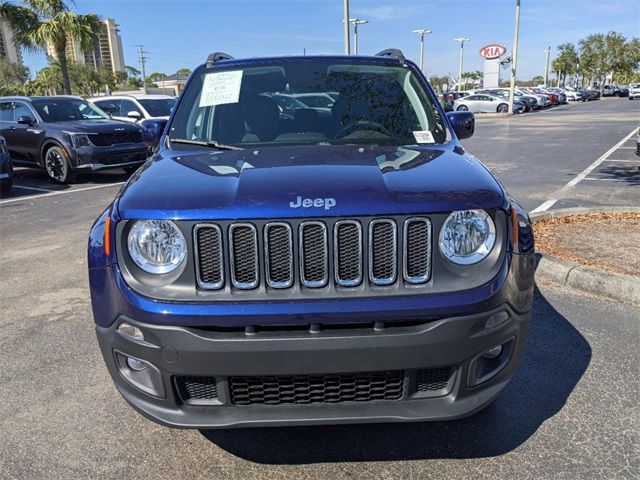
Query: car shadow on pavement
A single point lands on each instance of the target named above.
(555, 358)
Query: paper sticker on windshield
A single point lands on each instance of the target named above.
(424, 136)
(220, 88)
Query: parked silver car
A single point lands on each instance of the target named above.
(485, 103)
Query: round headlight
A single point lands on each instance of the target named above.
(157, 246)
(467, 236)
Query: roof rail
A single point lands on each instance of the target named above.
(216, 57)
(392, 52)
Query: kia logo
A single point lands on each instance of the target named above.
(492, 51)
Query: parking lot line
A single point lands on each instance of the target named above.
(50, 193)
(617, 160)
(557, 195)
(33, 188)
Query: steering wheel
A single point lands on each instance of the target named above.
(363, 125)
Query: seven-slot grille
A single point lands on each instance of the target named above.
(285, 252)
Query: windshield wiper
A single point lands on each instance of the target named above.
(204, 143)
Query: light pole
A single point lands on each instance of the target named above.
(422, 32)
(345, 21)
(462, 41)
(546, 67)
(356, 22)
(514, 58)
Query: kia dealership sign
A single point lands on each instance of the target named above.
(492, 51)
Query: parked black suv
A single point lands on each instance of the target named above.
(66, 135)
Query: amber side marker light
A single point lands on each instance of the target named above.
(514, 220)
(107, 236)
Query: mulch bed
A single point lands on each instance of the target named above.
(610, 241)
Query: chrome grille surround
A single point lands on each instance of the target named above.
(243, 263)
(315, 264)
(219, 257)
(378, 260)
(272, 270)
(339, 263)
(421, 250)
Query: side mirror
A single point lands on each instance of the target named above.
(135, 115)
(463, 123)
(152, 131)
(25, 120)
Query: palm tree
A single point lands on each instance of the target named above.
(49, 24)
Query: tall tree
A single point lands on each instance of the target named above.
(12, 76)
(183, 71)
(566, 63)
(50, 24)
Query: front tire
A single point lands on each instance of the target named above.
(462, 108)
(503, 108)
(57, 165)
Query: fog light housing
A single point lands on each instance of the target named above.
(130, 331)
(493, 352)
(488, 363)
(142, 374)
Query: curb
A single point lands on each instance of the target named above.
(615, 286)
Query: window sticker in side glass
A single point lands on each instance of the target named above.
(220, 88)
(424, 136)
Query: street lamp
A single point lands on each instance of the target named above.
(462, 41)
(514, 58)
(422, 32)
(347, 35)
(356, 22)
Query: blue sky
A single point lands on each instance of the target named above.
(180, 33)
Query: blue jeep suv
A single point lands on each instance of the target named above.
(308, 267)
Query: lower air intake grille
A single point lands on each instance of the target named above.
(197, 389)
(433, 379)
(305, 389)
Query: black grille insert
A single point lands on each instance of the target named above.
(209, 253)
(244, 255)
(197, 389)
(313, 254)
(433, 379)
(305, 389)
(108, 139)
(279, 255)
(417, 250)
(382, 252)
(348, 253)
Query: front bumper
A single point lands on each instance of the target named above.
(455, 342)
(116, 156)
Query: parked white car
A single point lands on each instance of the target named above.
(135, 108)
(634, 91)
(484, 102)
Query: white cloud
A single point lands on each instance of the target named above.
(386, 12)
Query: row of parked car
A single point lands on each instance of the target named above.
(67, 135)
(492, 100)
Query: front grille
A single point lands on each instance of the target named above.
(197, 389)
(305, 389)
(243, 242)
(115, 138)
(281, 254)
(114, 158)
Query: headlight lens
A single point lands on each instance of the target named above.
(79, 140)
(467, 236)
(157, 246)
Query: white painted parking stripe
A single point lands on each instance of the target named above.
(33, 188)
(557, 195)
(627, 148)
(605, 179)
(50, 194)
(623, 161)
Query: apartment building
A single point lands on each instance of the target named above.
(8, 48)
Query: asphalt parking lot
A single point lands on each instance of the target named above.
(570, 411)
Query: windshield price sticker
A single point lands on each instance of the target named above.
(220, 88)
(424, 136)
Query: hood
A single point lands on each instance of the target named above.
(95, 126)
(303, 181)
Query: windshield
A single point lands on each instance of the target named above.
(67, 110)
(266, 105)
(158, 107)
